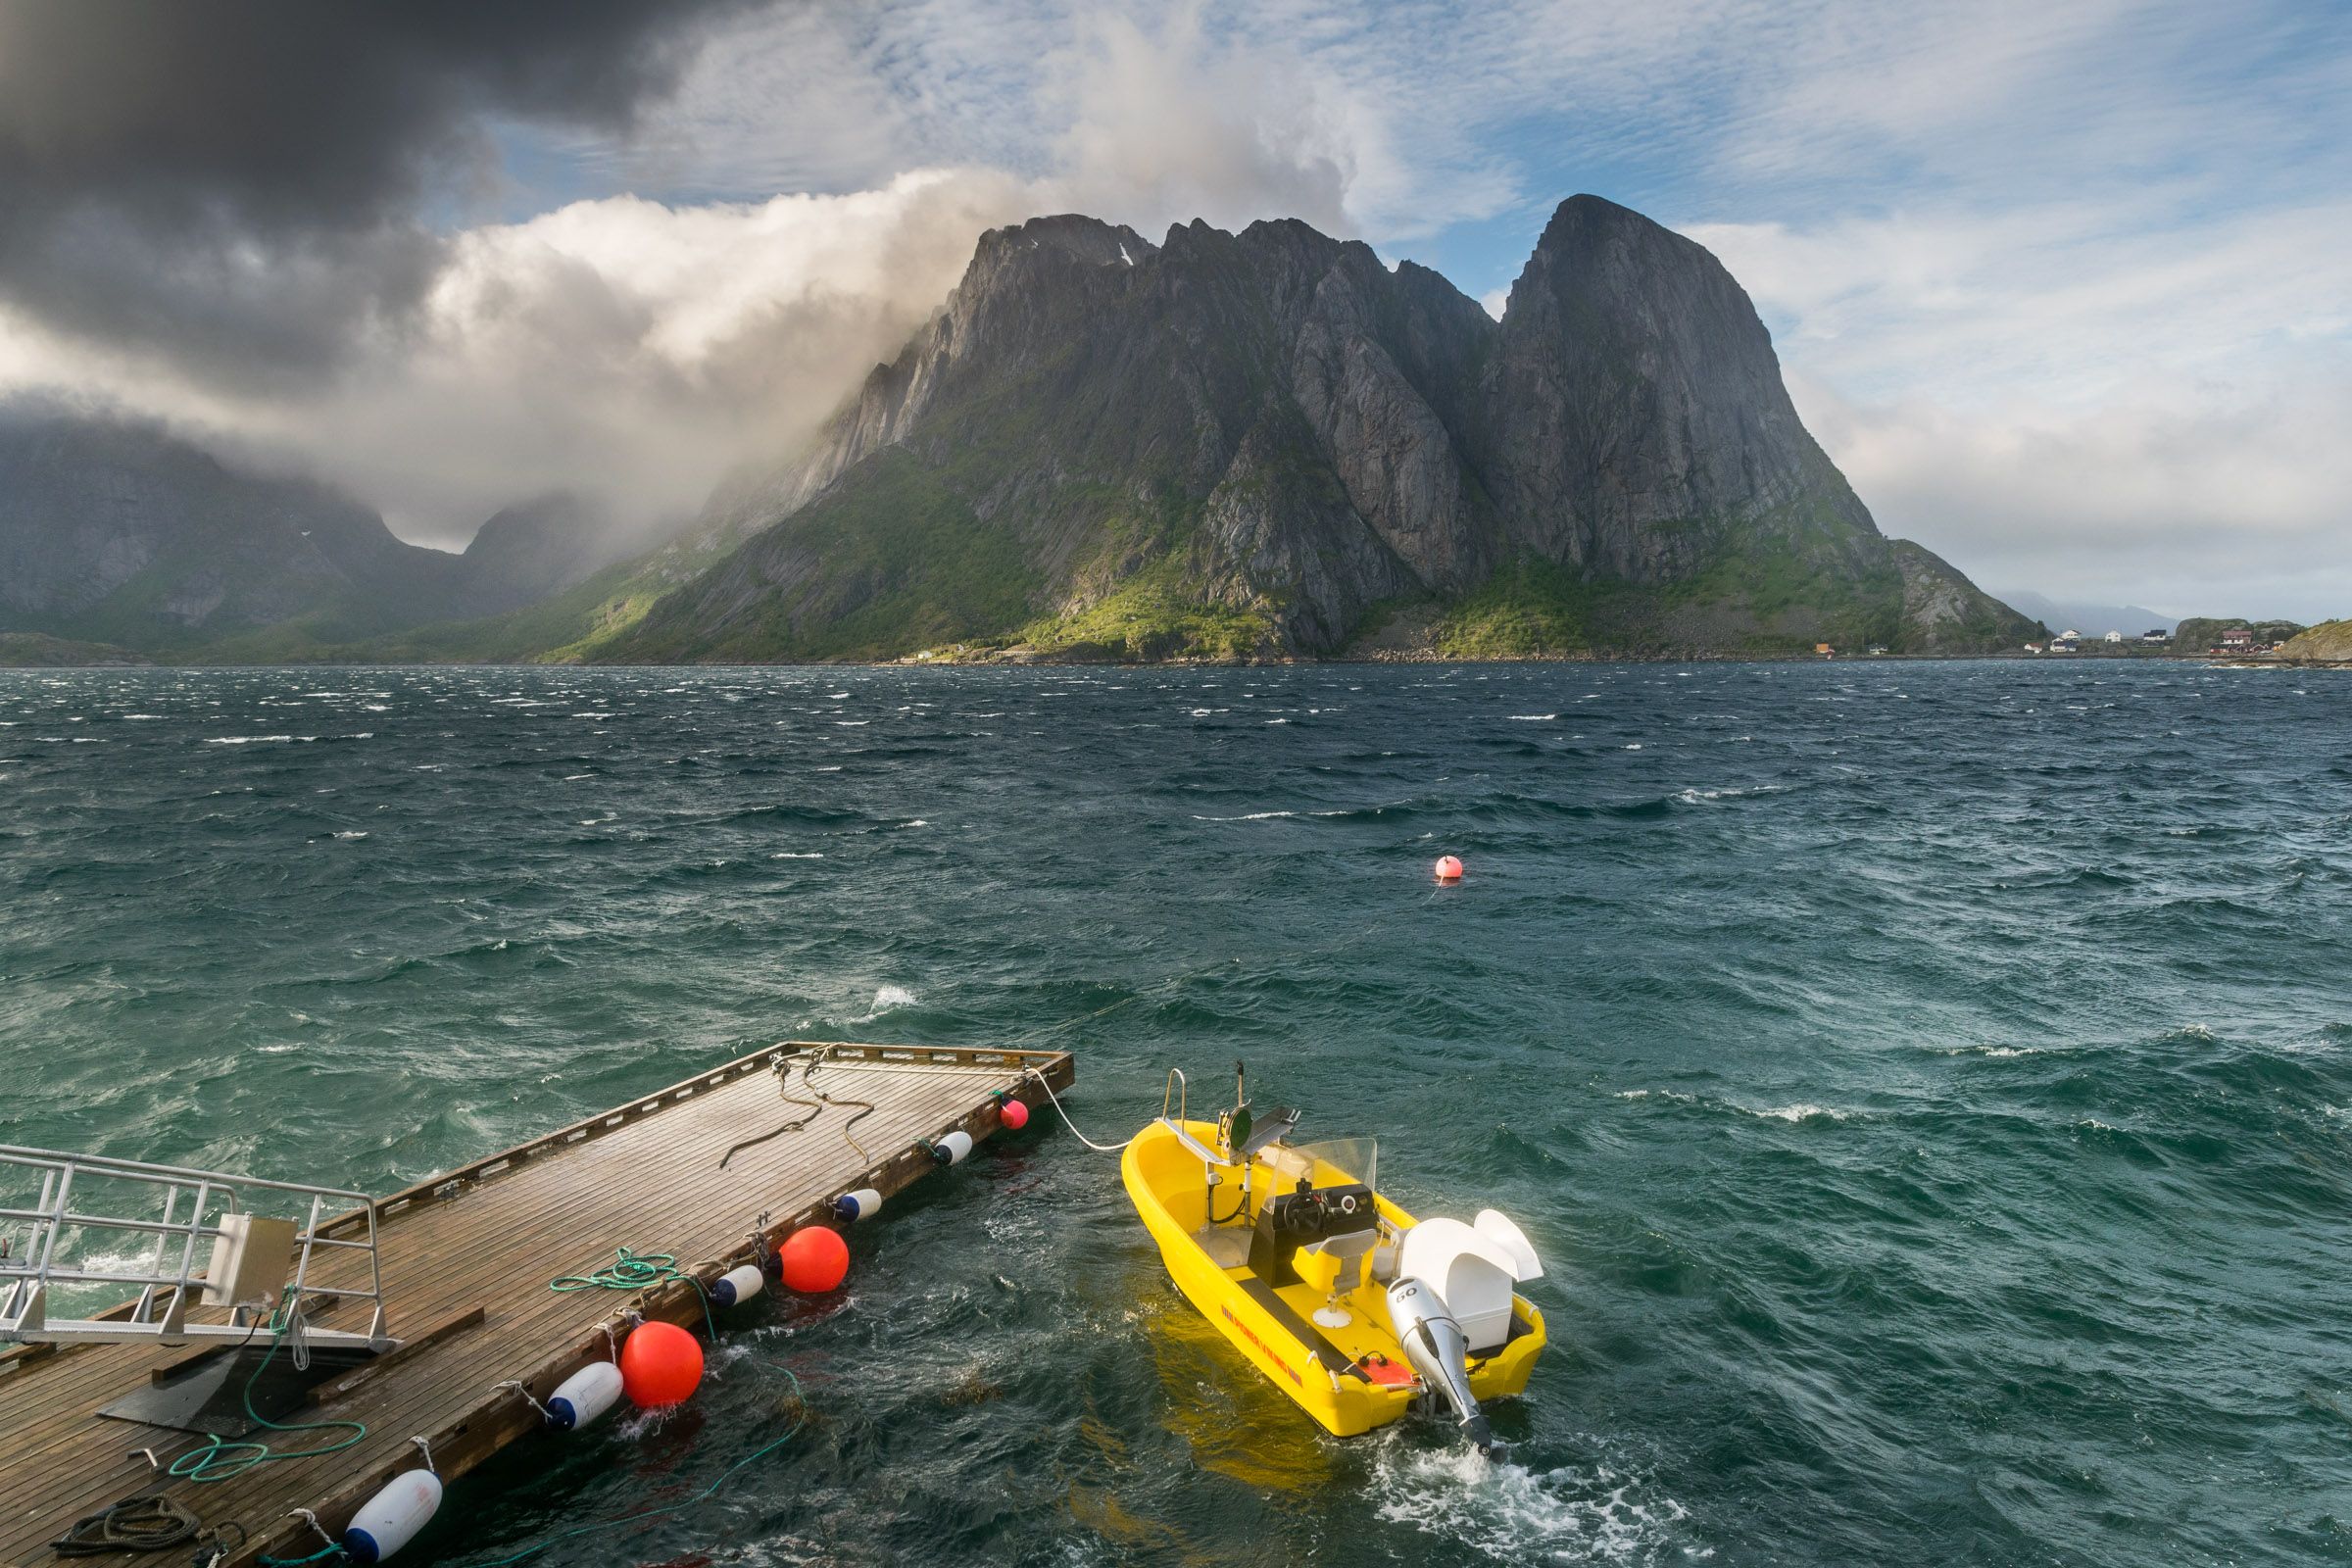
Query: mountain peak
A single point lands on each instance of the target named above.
(1090, 240)
(1271, 440)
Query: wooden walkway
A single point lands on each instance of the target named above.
(465, 1256)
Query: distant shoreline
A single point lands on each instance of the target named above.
(124, 659)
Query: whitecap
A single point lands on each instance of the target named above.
(351, 835)
(888, 998)
(1249, 817)
(1533, 719)
(1513, 1514)
(805, 855)
(1801, 1112)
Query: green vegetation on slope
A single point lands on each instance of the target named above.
(2329, 640)
(1756, 596)
(890, 563)
(32, 649)
(1151, 617)
(568, 627)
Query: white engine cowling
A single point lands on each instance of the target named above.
(1472, 1269)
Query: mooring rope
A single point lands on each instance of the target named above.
(1100, 1148)
(220, 1460)
(799, 1417)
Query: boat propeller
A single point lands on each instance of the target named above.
(1432, 1343)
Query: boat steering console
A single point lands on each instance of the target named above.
(1292, 1221)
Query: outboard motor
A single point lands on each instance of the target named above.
(1432, 1342)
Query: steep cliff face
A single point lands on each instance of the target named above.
(1636, 421)
(1269, 442)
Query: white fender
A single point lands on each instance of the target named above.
(584, 1395)
(864, 1203)
(390, 1520)
(737, 1285)
(951, 1148)
(1499, 1227)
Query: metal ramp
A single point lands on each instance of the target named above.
(206, 1259)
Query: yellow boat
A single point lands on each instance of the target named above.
(1342, 1300)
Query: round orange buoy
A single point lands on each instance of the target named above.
(814, 1259)
(1449, 868)
(660, 1364)
(1013, 1114)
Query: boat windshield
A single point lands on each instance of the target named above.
(1335, 1162)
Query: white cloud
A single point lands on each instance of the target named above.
(641, 348)
(2079, 399)
(620, 346)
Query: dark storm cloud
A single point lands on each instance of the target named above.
(238, 183)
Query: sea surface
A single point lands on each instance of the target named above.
(1930, 1085)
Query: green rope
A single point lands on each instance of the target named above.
(222, 1461)
(637, 1271)
(330, 1550)
(763, 1451)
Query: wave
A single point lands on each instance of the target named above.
(1512, 1513)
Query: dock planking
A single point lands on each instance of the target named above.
(466, 1258)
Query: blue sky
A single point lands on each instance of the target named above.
(2062, 286)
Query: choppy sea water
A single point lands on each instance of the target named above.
(1930, 1085)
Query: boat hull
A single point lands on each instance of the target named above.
(1273, 1328)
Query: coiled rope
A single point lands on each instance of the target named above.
(637, 1272)
(145, 1523)
(219, 1460)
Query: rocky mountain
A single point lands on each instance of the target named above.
(537, 548)
(120, 534)
(2090, 618)
(1269, 443)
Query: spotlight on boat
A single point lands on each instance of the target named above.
(1434, 1343)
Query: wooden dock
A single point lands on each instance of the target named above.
(466, 1256)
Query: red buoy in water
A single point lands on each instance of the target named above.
(660, 1364)
(1013, 1114)
(1449, 868)
(813, 1260)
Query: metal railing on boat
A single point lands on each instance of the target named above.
(219, 1212)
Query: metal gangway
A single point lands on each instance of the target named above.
(255, 1265)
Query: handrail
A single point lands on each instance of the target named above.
(1175, 1081)
(37, 1157)
(218, 1197)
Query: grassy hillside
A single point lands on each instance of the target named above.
(888, 563)
(2328, 640)
(32, 650)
